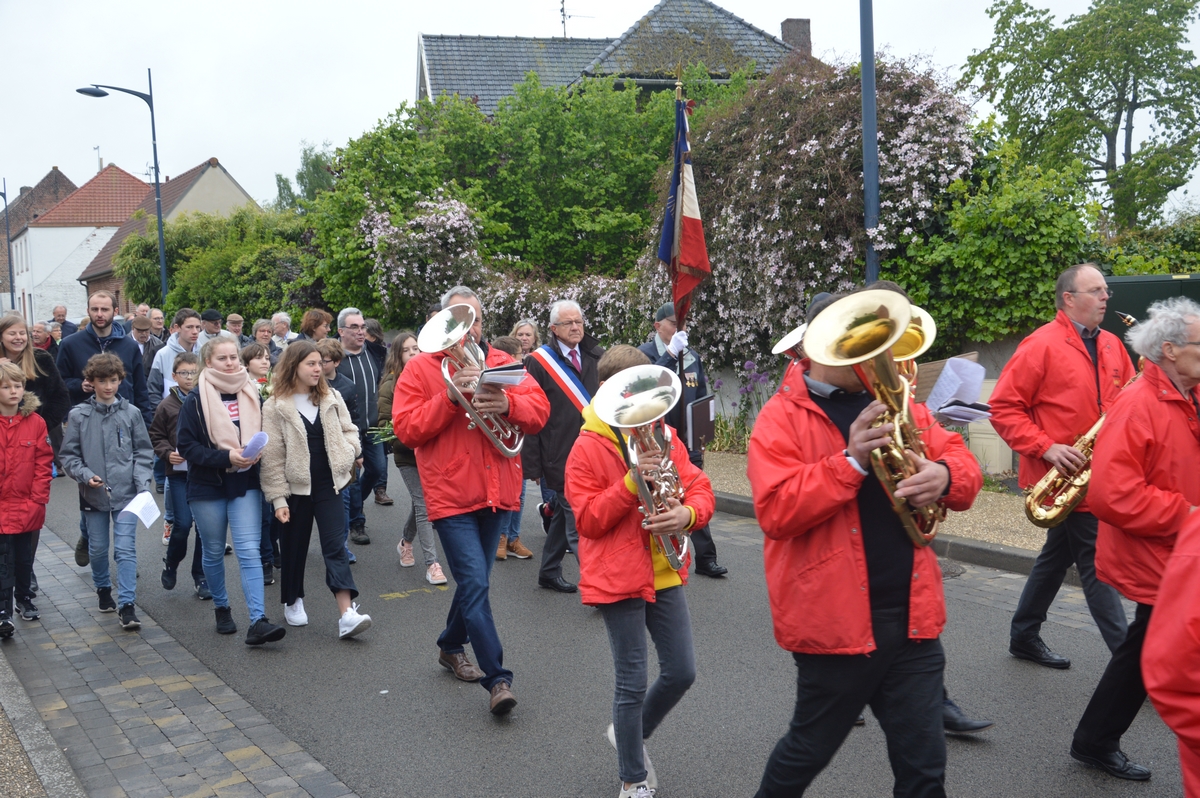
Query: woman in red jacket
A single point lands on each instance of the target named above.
(622, 572)
(25, 457)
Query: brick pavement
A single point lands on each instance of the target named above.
(136, 714)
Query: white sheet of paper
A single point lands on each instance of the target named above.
(960, 379)
(504, 377)
(180, 466)
(252, 448)
(144, 507)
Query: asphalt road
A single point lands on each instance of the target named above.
(431, 735)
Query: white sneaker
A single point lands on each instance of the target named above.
(641, 790)
(352, 622)
(651, 777)
(294, 614)
(434, 575)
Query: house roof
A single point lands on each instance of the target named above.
(29, 204)
(487, 67)
(104, 201)
(172, 192)
(688, 31)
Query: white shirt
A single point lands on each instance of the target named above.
(567, 350)
(304, 404)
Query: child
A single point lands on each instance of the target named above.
(25, 457)
(162, 437)
(622, 572)
(107, 450)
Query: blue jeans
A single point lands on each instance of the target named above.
(178, 546)
(168, 501)
(469, 542)
(124, 531)
(160, 472)
(514, 527)
(374, 473)
(243, 517)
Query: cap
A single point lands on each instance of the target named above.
(210, 315)
(141, 323)
(234, 317)
(665, 312)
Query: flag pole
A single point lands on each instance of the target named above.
(681, 425)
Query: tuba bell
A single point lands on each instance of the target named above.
(447, 331)
(861, 331)
(917, 339)
(791, 344)
(635, 401)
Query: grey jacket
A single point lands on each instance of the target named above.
(111, 442)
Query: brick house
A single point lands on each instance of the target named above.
(31, 203)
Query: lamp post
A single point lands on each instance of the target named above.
(98, 90)
(870, 135)
(12, 290)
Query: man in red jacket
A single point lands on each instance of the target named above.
(1145, 484)
(470, 489)
(860, 606)
(1053, 389)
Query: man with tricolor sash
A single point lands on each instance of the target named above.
(565, 368)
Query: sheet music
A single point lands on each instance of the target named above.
(955, 396)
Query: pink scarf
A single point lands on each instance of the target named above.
(221, 430)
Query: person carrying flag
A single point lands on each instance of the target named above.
(566, 369)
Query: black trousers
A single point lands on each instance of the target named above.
(702, 543)
(1119, 695)
(326, 508)
(562, 533)
(16, 568)
(901, 682)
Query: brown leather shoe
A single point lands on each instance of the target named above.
(518, 549)
(503, 699)
(460, 666)
(502, 550)
(381, 497)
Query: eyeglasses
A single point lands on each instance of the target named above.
(1096, 292)
(326, 362)
(187, 374)
(568, 324)
(355, 327)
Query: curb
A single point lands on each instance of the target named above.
(47, 758)
(968, 550)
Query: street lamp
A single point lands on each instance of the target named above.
(870, 138)
(12, 291)
(98, 90)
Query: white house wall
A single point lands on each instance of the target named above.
(50, 260)
(213, 192)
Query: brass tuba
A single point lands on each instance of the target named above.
(635, 401)
(917, 339)
(447, 331)
(861, 330)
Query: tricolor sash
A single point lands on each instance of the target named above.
(564, 376)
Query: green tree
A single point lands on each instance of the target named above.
(314, 176)
(1084, 89)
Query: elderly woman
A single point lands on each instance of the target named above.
(526, 332)
(263, 333)
(315, 325)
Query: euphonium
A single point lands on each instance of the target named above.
(1056, 495)
(635, 401)
(917, 339)
(861, 330)
(791, 344)
(447, 331)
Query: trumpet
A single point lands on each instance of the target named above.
(861, 330)
(635, 401)
(447, 331)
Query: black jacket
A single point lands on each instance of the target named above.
(73, 354)
(152, 346)
(349, 393)
(544, 455)
(209, 476)
(695, 385)
(49, 387)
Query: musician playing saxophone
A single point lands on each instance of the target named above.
(1061, 378)
(859, 606)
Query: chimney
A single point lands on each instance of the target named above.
(25, 190)
(798, 33)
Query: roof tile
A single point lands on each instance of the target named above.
(104, 201)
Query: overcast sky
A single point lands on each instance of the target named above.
(248, 81)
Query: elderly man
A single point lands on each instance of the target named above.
(233, 324)
(60, 316)
(158, 325)
(210, 326)
(1052, 390)
(565, 369)
(143, 334)
(363, 369)
(665, 349)
(282, 325)
(42, 339)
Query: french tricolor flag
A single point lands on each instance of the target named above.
(682, 247)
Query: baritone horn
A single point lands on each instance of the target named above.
(635, 402)
(861, 331)
(917, 339)
(447, 331)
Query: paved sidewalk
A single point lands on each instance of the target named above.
(135, 713)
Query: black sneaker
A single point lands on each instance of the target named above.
(225, 624)
(129, 620)
(263, 631)
(106, 600)
(168, 575)
(359, 535)
(268, 575)
(7, 627)
(82, 558)
(28, 611)
(202, 591)
(228, 549)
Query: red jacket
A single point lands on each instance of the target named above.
(1046, 393)
(461, 471)
(1171, 652)
(1145, 477)
(614, 550)
(805, 498)
(25, 457)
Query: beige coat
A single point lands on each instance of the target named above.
(285, 462)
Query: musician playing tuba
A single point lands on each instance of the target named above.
(855, 599)
(1053, 389)
(622, 569)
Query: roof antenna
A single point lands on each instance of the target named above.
(99, 160)
(563, 8)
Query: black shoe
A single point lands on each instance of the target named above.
(28, 611)
(225, 624)
(268, 575)
(7, 627)
(263, 631)
(861, 720)
(129, 620)
(82, 558)
(713, 569)
(228, 549)
(203, 593)
(1115, 763)
(955, 721)
(106, 600)
(359, 535)
(558, 584)
(168, 576)
(158, 488)
(1037, 651)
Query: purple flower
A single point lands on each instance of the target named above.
(717, 383)
(748, 365)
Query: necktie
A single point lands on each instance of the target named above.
(575, 361)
